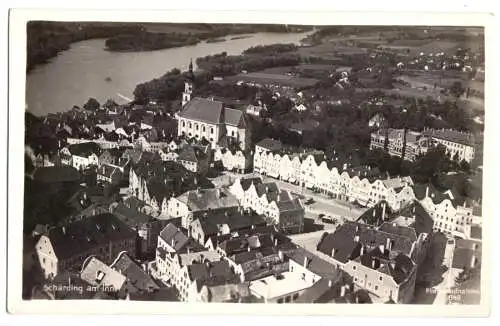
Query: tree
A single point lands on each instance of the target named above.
(110, 104)
(464, 166)
(456, 89)
(92, 105)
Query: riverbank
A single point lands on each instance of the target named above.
(46, 40)
(149, 41)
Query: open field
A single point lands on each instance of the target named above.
(267, 79)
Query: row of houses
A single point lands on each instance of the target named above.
(360, 184)
(453, 213)
(279, 206)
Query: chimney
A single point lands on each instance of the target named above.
(362, 251)
(305, 261)
(248, 248)
(427, 192)
(382, 248)
(342, 291)
(388, 244)
(374, 212)
(412, 249)
(373, 263)
(383, 211)
(172, 244)
(473, 261)
(64, 230)
(275, 242)
(356, 238)
(280, 255)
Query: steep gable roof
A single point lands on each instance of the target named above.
(173, 235)
(84, 149)
(234, 118)
(136, 276)
(95, 272)
(84, 235)
(203, 110)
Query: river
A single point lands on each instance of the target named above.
(79, 73)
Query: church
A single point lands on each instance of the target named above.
(208, 119)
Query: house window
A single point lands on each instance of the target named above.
(288, 299)
(353, 268)
(212, 130)
(196, 126)
(203, 128)
(295, 296)
(280, 300)
(190, 125)
(376, 287)
(380, 278)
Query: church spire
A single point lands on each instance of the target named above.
(191, 66)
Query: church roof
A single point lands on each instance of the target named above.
(203, 110)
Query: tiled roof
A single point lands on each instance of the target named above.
(234, 117)
(133, 154)
(392, 228)
(235, 221)
(289, 205)
(270, 144)
(266, 188)
(437, 196)
(107, 170)
(198, 256)
(228, 292)
(247, 181)
(86, 234)
(465, 252)
(98, 273)
(172, 233)
(422, 221)
(476, 232)
(315, 264)
(130, 216)
(191, 154)
(374, 215)
(84, 149)
(203, 110)
(325, 290)
(204, 199)
(453, 136)
(397, 182)
(368, 236)
(135, 275)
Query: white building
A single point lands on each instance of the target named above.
(459, 144)
(205, 118)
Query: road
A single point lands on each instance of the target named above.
(310, 240)
(322, 204)
(443, 289)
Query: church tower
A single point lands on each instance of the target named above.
(188, 85)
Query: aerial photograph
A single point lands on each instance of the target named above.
(253, 163)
